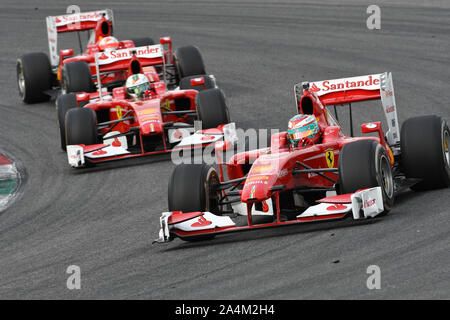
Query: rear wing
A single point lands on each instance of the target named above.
(357, 89)
(72, 22)
(116, 60)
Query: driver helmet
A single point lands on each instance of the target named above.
(137, 85)
(303, 129)
(108, 43)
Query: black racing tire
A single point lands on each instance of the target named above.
(366, 164)
(424, 152)
(34, 76)
(76, 77)
(212, 108)
(185, 83)
(64, 103)
(143, 41)
(191, 188)
(81, 126)
(189, 61)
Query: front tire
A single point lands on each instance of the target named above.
(365, 164)
(34, 76)
(212, 109)
(81, 126)
(191, 188)
(64, 103)
(425, 155)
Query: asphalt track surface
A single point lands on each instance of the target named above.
(104, 220)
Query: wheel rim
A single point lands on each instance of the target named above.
(20, 80)
(445, 151)
(387, 182)
(212, 197)
(63, 82)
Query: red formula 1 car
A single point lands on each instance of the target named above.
(111, 125)
(337, 177)
(40, 77)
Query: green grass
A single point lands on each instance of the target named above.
(7, 186)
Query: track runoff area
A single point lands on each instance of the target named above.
(9, 181)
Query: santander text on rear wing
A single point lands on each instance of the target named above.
(116, 60)
(356, 89)
(72, 22)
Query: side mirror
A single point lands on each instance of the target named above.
(371, 127)
(165, 40)
(167, 53)
(82, 99)
(65, 53)
(197, 81)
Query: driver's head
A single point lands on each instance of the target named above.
(137, 85)
(108, 43)
(303, 129)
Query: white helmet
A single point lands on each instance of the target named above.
(137, 85)
(108, 43)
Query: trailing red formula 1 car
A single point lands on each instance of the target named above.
(336, 177)
(126, 123)
(40, 77)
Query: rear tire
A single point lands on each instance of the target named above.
(365, 164)
(212, 109)
(76, 77)
(64, 103)
(185, 83)
(189, 61)
(34, 76)
(81, 126)
(143, 41)
(424, 152)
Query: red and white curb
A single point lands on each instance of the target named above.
(9, 181)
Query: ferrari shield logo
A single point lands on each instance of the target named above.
(329, 156)
(119, 112)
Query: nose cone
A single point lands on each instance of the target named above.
(256, 188)
(263, 175)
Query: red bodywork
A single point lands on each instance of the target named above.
(262, 175)
(147, 117)
(100, 29)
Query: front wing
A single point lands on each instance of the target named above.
(116, 148)
(190, 225)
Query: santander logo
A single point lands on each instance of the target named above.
(99, 153)
(314, 88)
(177, 134)
(201, 222)
(148, 52)
(103, 56)
(78, 17)
(371, 82)
(206, 138)
(336, 207)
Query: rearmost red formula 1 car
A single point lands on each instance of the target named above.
(143, 117)
(332, 178)
(40, 77)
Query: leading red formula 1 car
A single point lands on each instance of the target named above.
(113, 125)
(40, 77)
(337, 177)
